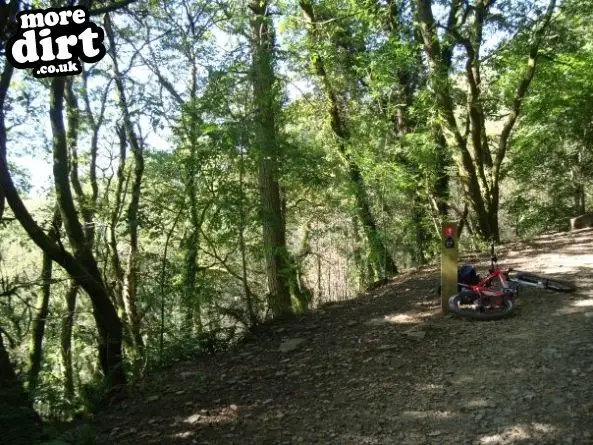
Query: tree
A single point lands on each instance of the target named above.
(480, 169)
(80, 264)
(266, 144)
(130, 288)
(382, 258)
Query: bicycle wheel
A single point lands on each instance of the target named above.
(542, 282)
(461, 305)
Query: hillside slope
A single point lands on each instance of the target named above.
(387, 368)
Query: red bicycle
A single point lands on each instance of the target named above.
(493, 297)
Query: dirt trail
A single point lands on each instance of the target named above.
(386, 368)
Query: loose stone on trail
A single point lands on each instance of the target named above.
(291, 344)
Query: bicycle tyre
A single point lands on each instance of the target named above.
(540, 281)
(509, 308)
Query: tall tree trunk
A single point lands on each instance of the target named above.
(406, 80)
(253, 319)
(419, 257)
(66, 342)
(116, 263)
(3, 142)
(87, 206)
(463, 221)
(382, 260)
(190, 123)
(192, 296)
(130, 290)
(361, 265)
(578, 187)
(38, 330)
(10, 10)
(441, 185)
(162, 279)
(192, 303)
(298, 288)
(266, 104)
(108, 323)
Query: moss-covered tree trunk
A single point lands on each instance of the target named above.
(302, 295)
(66, 342)
(114, 257)
(249, 306)
(39, 322)
(190, 275)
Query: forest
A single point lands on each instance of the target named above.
(229, 162)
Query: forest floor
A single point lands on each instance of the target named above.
(388, 368)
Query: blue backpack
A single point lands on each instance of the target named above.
(467, 274)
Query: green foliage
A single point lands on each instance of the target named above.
(552, 156)
(531, 218)
(92, 394)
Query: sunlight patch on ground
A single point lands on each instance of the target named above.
(573, 310)
(430, 304)
(479, 403)
(583, 303)
(517, 434)
(464, 380)
(402, 318)
(226, 414)
(519, 335)
(184, 434)
(429, 387)
(428, 414)
(485, 373)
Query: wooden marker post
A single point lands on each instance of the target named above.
(449, 253)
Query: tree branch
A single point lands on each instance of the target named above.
(4, 83)
(523, 87)
(113, 7)
(11, 341)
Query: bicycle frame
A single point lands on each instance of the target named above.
(484, 287)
